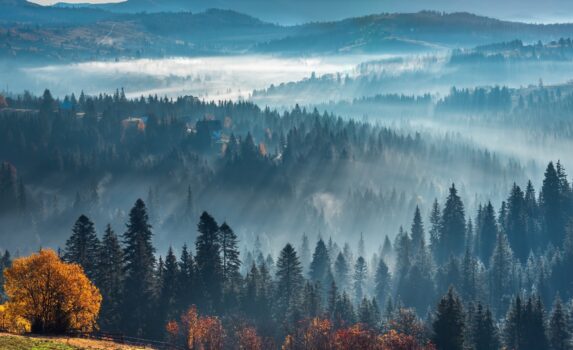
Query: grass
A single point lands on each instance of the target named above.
(17, 342)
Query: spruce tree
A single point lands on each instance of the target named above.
(231, 265)
(453, 227)
(559, 334)
(320, 266)
(168, 293)
(551, 206)
(500, 273)
(341, 272)
(289, 286)
(484, 334)
(448, 325)
(139, 266)
(83, 245)
(417, 230)
(360, 274)
(516, 223)
(435, 229)
(382, 280)
(486, 233)
(186, 289)
(208, 262)
(110, 279)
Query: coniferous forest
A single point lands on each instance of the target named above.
(260, 175)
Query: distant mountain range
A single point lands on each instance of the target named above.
(96, 32)
(301, 11)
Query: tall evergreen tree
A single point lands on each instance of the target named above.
(435, 229)
(208, 262)
(484, 334)
(559, 333)
(382, 280)
(169, 283)
(551, 205)
(289, 286)
(500, 273)
(453, 226)
(139, 265)
(448, 325)
(110, 279)
(186, 289)
(516, 223)
(341, 272)
(417, 230)
(486, 233)
(360, 274)
(320, 266)
(83, 245)
(231, 265)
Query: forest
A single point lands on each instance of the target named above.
(454, 280)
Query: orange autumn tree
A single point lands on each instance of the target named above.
(201, 332)
(249, 339)
(53, 296)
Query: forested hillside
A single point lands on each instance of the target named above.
(96, 154)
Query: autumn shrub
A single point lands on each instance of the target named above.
(53, 296)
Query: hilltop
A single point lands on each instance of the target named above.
(19, 342)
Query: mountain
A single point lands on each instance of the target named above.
(91, 33)
(301, 11)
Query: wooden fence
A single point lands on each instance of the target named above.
(122, 339)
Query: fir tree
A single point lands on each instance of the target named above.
(449, 325)
(289, 285)
(139, 265)
(110, 279)
(341, 271)
(208, 262)
(559, 334)
(417, 230)
(231, 265)
(360, 274)
(486, 233)
(382, 280)
(320, 266)
(453, 226)
(82, 246)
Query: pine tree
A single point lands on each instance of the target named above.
(169, 283)
(551, 205)
(484, 331)
(417, 230)
(448, 325)
(500, 273)
(486, 233)
(139, 266)
(341, 271)
(305, 253)
(231, 265)
(110, 279)
(208, 262)
(382, 280)
(386, 248)
(435, 229)
(320, 266)
(360, 274)
(559, 334)
(516, 223)
(453, 227)
(186, 289)
(289, 285)
(82, 246)
(418, 288)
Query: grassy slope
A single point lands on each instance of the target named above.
(14, 342)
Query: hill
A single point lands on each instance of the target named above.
(28, 30)
(17, 342)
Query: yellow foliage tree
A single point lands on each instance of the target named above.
(12, 323)
(51, 295)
